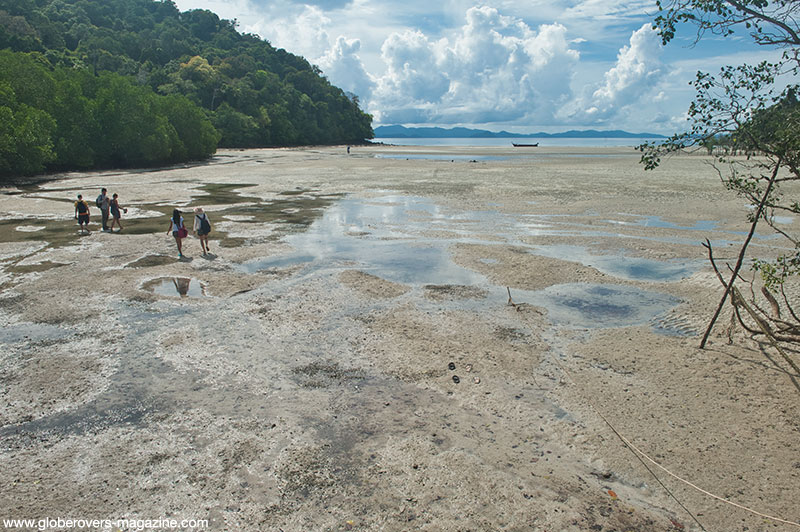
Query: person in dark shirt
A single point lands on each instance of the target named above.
(116, 213)
(82, 214)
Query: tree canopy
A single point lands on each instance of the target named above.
(86, 83)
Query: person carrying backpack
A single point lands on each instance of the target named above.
(103, 203)
(82, 214)
(202, 227)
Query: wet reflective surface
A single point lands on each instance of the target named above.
(448, 157)
(622, 266)
(176, 286)
(378, 237)
(388, 237)
(599, 305)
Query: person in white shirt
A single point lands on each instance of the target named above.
(178, 230)
(202, 226)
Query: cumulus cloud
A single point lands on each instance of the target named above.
(323, 4)
(494, 68)
(304, 33)
(635, 75)
(611, 10)
(344, 69)
(413, 73)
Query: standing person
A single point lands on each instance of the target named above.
(103, 203)
(202, 226)
(82, 214)
(178, 230)
(115, 212)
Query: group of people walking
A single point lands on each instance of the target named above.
(110, 208)
(202, 227)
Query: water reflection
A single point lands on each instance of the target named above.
(176, 286)
(657, 221)
(622, 266)
(585, 305)
(387, 237)
(448, 157)
(405, 239)
(379, 236)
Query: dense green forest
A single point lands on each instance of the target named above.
(109, 83)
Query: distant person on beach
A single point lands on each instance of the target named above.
(348, 150)
(178, 230)
(82, 214)
(202, 226)
(115, 213)
(104, 204)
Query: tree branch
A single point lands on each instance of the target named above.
(794, 38)
(740, 260)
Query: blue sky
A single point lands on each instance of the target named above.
(538, 65)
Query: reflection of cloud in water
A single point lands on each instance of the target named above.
(387, 238)
(375, 234)
(621, 266)
(656, 221)
(30, 228)
(595, 305)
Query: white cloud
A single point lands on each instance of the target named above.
(304, 33)
(413, 69)
(609, 9)
(506, 64)
(494, 68)
(344, 69)
(636, 74)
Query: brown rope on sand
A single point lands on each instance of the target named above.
(641, 454)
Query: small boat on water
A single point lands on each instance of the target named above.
(524, 145)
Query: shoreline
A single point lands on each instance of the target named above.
(315, 391)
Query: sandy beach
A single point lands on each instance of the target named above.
(347, 357)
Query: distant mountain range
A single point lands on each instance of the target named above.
(400, 132)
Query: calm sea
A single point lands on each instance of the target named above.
(577, 142)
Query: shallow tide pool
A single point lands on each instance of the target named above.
(386, 237)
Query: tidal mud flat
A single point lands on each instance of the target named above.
(347, 357)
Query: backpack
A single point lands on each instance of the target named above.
(205, 227)
(99, 201)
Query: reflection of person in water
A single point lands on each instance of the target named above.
(182, 285)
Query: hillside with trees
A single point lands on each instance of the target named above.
(121, 83)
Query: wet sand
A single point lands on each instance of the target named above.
(304, 381)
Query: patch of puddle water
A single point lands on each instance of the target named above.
(176, 287)
(657, 221)
(371, 234)
(32, 332)
(587, 306)
(621, 266)
(381, 237)
(448, 157)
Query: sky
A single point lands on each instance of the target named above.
(518, 66)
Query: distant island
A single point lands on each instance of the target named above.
(402, 132)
